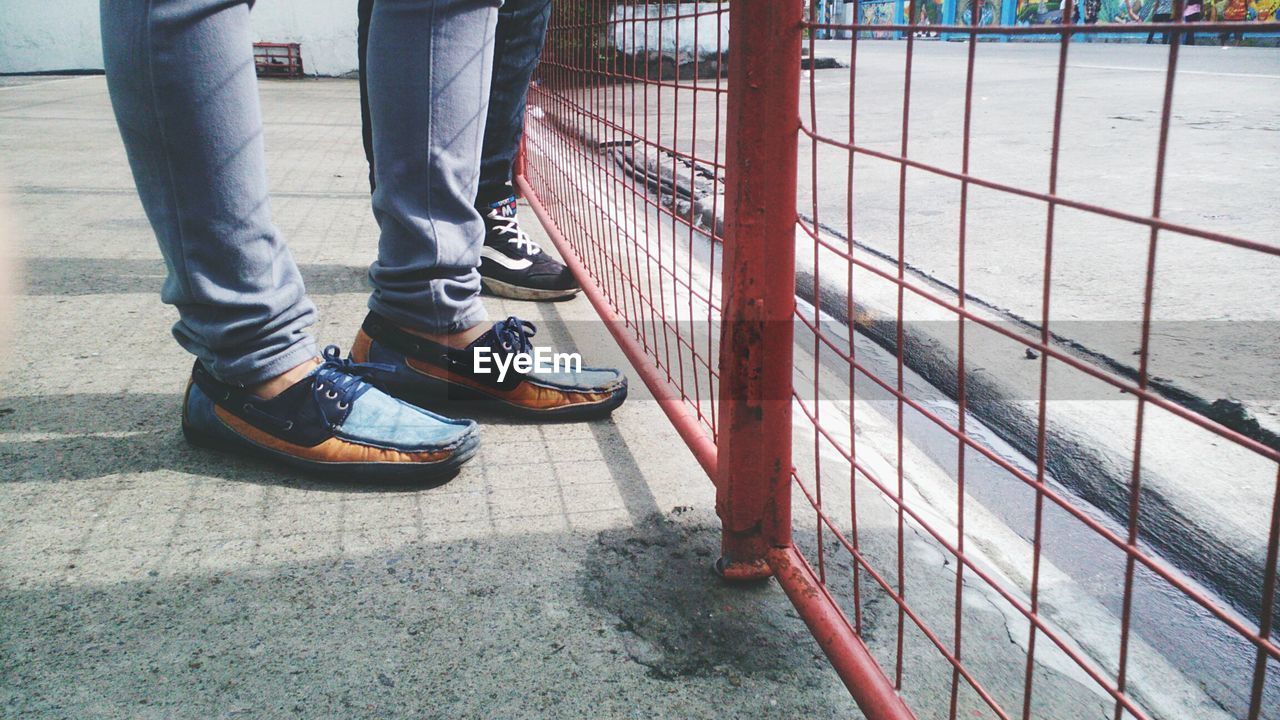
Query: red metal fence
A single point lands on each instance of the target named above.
(674, 190)
(277, 59)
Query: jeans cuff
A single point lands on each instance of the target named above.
(473, 315)
(291, 357)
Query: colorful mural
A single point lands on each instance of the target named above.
(876, 13)
(1263, 10)
(1046, 12)
(1040, 12)
(929, 13)
(989, 13)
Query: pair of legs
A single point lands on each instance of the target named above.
(183, 86)
(182, 82)
(1189, 38)
(511, 264)
(518, 39)
(1159, 18)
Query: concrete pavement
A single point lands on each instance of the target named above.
(564, 573)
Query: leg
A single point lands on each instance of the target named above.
(429, 67)
(364, 11)
(514, 266)
(183, 87)
(428, 92)
(518, 38)
(182, 82)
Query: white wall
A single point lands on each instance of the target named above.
(326, 29)
(634, 28)
(49, 35)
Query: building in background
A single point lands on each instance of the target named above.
(63, 36)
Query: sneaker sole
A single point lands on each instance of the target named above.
(390, 473)
(428, 392)
(516, 292)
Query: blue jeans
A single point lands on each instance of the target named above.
(184, 90)
(518, 40)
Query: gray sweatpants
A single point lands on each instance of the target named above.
(182, 83)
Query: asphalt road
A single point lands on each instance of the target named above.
(1215, 306)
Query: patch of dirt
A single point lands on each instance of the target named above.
(679, 619)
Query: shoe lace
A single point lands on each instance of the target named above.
(512, 335)
(336, 377)
(345, 376)
(507, 227)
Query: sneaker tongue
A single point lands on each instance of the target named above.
(505, 208)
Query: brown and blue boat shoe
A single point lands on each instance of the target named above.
(333, 423)
(501, 369)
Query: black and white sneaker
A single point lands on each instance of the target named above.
(513, 266)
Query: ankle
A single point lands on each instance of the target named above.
(456, 340)
(285, 380)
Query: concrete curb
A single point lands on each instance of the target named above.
(1088, 450)
(1082, 450)
(1089, 455)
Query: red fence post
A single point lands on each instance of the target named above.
(753, 483)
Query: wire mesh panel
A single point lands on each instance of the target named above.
(1031, 387)
(1028, 432)
(624, 155)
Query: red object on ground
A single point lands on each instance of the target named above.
(277, 59)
